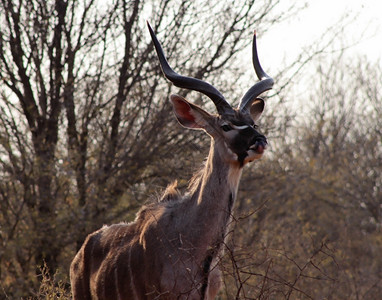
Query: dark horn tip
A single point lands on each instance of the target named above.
(189, 82)
(150, 28)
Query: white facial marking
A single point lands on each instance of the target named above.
(252, 155)
(237, 127)
(241, 127)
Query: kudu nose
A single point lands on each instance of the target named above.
(259, 143)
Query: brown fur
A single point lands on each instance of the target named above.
(172, 249)
(168, 257)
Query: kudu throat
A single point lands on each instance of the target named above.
(213, 191)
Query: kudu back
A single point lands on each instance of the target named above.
(172, 249)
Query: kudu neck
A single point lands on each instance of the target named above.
(212, 197)
(218, 180)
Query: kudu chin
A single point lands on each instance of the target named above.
(172, 249)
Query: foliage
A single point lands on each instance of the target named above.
(51, 287)
(312, 213)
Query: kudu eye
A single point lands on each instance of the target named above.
(226, 127)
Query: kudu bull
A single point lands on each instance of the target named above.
(172, 249)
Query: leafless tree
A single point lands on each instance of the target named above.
(313, 215)
(78, 82)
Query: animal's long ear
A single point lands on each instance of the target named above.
(188, 114)
(257, 108)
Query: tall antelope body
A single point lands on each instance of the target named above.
(172, 249)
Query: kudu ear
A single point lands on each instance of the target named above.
(257, 108)
(188, 114)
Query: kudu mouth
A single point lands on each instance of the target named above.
(253, 151)
(259, 145)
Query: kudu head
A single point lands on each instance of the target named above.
(233, 128)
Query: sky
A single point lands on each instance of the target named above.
(364, 32)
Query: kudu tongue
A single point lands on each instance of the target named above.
(260, 149)
(260, 146)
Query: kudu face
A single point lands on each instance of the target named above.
(234, 129)
(236, 134)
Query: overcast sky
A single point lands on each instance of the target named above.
(291, 36)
